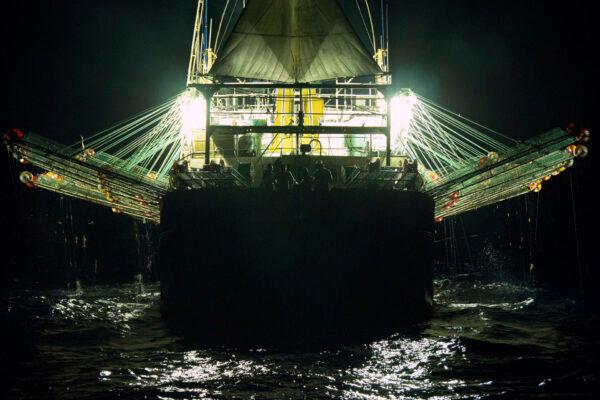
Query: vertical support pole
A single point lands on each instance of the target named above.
(208, 93)
(300, 123)
(388, 129)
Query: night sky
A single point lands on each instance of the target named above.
(519, 67)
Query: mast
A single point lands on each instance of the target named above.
(195, 67)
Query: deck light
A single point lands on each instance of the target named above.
(401, 107)
(193, 115)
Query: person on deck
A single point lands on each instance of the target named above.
(305, 181)
(173, 181)
(322, 178)
(284, 180)
(375, 166)
(267, 178)
(410, 174)
(184, 166)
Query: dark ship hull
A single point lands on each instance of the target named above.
(261, 266)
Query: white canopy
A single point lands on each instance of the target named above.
(293, 41)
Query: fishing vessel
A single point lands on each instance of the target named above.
(295, 187)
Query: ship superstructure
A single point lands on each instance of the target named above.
(292, 79)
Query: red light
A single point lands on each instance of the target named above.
(12, 136)
(18, 133)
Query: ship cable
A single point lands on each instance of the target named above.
(362, 17)
(218, 45)
(579, 266)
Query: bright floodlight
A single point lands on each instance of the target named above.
(193, 116)
(401, 107)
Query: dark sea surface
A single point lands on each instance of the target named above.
(486, 340)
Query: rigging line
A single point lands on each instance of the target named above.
(462, 141)
(128, 148)
(159, 150)
(130, 120)
(537, 214)
(529, 234)
(432, 121)
(466, 119)
(431, 144)
(218, 47)
(579, 267)
(160, 131)
(221, 24)
(434, 162)
(382, 26)
(148, 138)
(196, 42)
(372, 27)
(428, 120)
(111, 141)
(209, 34)
(439, 163)
(13, 167)
(468, 130)
(362, 17)
(464, 127)
(425, 147)
(453, 244)
(481, 138)
(387, 35)
(447, 252)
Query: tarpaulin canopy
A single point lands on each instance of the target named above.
(293, 41)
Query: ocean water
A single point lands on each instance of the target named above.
(486, 340)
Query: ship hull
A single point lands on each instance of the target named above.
(261, 266)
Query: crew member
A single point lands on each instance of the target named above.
(322, 178)
(284, 180)
(267, 178)
(305, 181)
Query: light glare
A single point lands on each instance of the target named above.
(193, 116)
(401, 107)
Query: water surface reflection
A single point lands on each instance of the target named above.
(485, 340)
